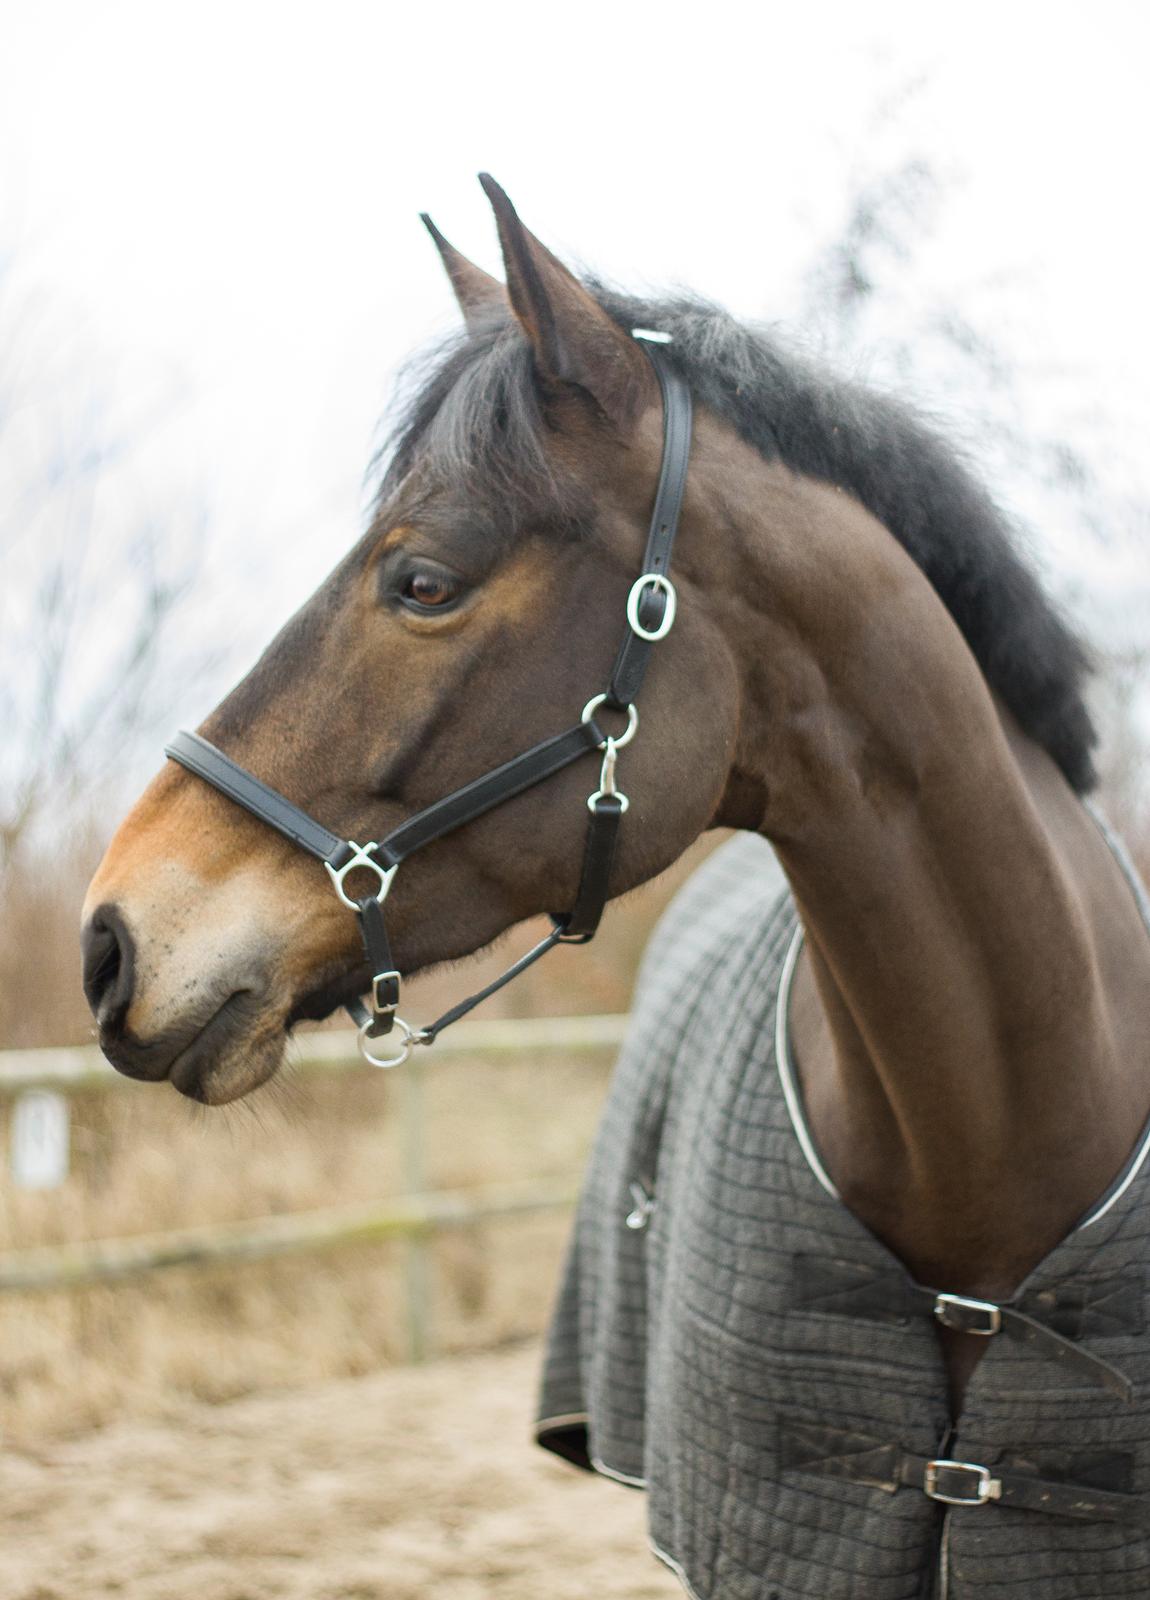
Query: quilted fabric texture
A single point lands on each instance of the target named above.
(678, 1355)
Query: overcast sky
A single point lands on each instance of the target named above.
(212, 208)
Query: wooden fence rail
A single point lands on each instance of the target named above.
(83, 1067)
(412, 1219)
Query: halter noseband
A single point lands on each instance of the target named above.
(650, 614)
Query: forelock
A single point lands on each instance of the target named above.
(471, 423)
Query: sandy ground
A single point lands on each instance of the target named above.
(412, 1482)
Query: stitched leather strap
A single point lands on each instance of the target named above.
(381, 965)
(202, 758)
(635, 652)
(492, 789)
(464, 805)
(850, 1288)
(955, 1480)
(952, 1311)
(583, 919)
(857, 1457)
(429, 1033)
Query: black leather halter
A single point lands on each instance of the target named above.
(650, 614)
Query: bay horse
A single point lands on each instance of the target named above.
(863, 670)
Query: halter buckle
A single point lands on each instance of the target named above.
(361, 857)
(656, 581)
(383, 984)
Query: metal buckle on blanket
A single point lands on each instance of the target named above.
(956, 1311)
(947, 1481)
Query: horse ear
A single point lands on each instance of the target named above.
(480, 296)
(573, 338)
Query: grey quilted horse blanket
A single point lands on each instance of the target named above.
(682, 1361)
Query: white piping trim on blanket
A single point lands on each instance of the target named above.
(669, 1561)
(793, 1095)
(1124, 859)
(573, 1418)
(569, 1419)
(944, 1558)
(783, 1062)
(1142, 900)
(619, 1477)
(1137, 1162)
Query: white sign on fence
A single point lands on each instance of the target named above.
(39, 1142)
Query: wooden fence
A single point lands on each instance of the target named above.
(413, 1218)
(83, 1067)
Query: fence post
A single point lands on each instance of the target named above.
(417, 1265)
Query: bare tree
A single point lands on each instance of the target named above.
(90, 593)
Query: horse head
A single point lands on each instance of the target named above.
(481, 609)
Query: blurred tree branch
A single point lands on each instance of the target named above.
(867, 301)
(92, 589)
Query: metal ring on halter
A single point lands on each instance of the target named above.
(618, 740)
(411, 1037)
(654, 580)
(362, 858)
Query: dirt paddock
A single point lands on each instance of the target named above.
(415, 1482)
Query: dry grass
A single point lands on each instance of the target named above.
(145, 1161)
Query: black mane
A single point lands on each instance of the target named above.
(476, 412)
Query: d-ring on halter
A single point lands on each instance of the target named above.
(650, 614)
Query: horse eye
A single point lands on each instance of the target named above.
(429, 591)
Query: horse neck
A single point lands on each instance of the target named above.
(971, 1015)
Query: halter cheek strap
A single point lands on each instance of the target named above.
(650, 615)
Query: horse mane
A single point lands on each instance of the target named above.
(473, 415)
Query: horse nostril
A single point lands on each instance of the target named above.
(109, 966)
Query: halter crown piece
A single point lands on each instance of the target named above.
(650, 615)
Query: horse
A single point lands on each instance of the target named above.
(864, 672)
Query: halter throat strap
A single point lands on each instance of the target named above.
(651, 608)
